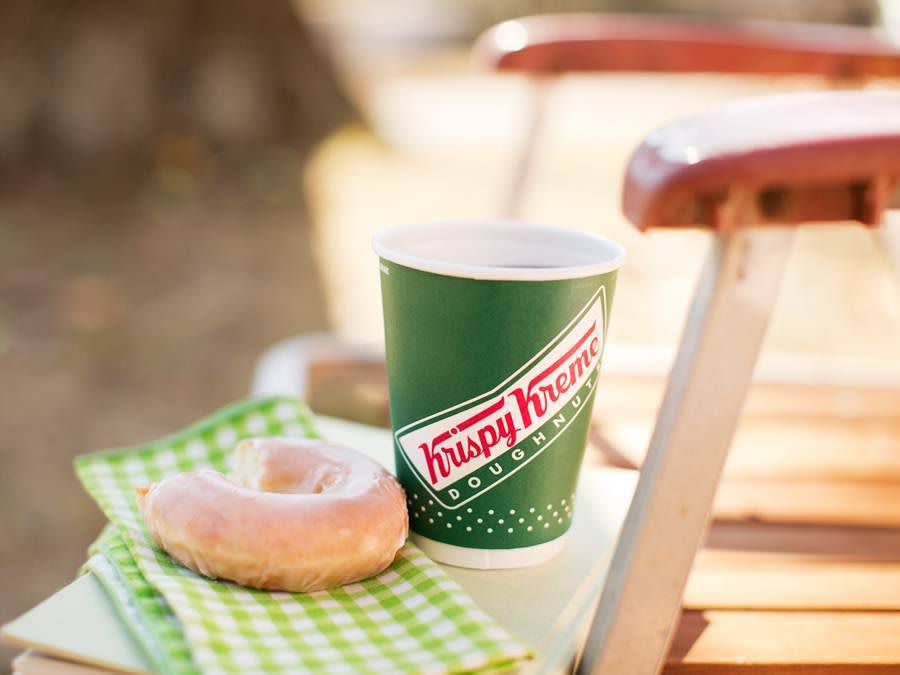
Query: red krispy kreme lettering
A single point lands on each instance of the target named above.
(478, 435)
(440, 457)
(533, 403)
(454, 449)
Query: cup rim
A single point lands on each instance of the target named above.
(388, 244)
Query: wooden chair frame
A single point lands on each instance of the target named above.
(667, 522)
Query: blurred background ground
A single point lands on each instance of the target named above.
(120, 324)
(156, 236)
(153, 239)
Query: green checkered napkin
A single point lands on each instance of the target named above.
(145, 612)
(410, 618)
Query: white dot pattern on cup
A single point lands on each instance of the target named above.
(474, 523)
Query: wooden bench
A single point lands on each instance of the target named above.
(777, 162)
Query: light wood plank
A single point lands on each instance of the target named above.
(889, 235)
(667, 521)
(796, 567)
(781, 669)
(787, 430)
(833, 502)
(641, 395)
(819, 447)
(786, 642)
(785, 581)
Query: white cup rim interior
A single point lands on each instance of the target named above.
(499, 250)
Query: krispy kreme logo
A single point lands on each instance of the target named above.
(464, 451)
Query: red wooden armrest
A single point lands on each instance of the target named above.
(610, 42)
(811, 157)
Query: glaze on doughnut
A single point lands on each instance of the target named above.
(296, 515)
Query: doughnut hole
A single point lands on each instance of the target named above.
(290, 467)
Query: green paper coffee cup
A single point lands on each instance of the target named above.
(494, 334)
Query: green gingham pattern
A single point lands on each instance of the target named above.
(144, 611)
(410, 618)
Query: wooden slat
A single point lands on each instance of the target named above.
(822, 447)
(798, 643)
(766, 566)
(817, 447)
(796, 567)
(742, 580)
(351, 389)
(869, 543)
(787, 430)
(889, 235)
(814, 502)
(641, 395)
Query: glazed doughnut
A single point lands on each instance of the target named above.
(296, 515)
